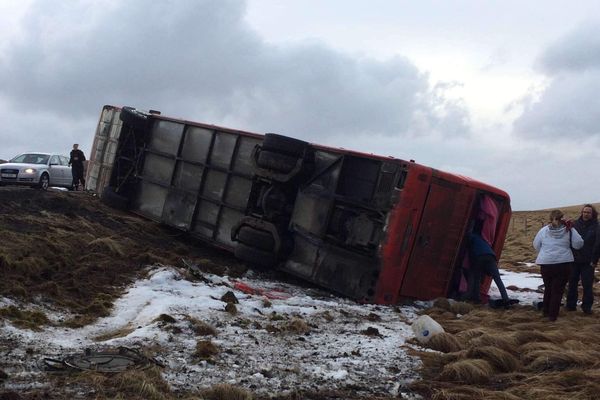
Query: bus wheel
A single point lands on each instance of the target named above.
(276, 161)
(133, 118)
(262, 240)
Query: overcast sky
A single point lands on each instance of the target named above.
(503, 91)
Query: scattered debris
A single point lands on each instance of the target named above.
(107, 361)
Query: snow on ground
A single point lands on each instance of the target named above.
(349, 345)
(529, 283)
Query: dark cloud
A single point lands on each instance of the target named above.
(569, 107)
(201, 60)
(577, 51)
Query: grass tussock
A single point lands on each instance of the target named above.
(107, 243)
(559, 359)
(471, 393)
(501, 360)
(34, 320)
(468, 371)
(503, 341)
(460, 307)
(442, 302)
(206, 350)
(201, 328)
(225, 392)
(472, 333)
(296, 325)
(444, 342)
(513, 354)
(530, 336)
(145, 384)
(117, 333)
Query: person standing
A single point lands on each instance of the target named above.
(586, 260)
(553, 243)
(76, 164)
(483, 261)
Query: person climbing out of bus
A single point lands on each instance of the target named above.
(76, 164)
(483, 261)
(586, 260)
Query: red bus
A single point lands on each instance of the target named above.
(372, 228)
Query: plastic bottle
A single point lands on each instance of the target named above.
(425, 328)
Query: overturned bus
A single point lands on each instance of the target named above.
(375, 229)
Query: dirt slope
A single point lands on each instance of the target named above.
(70, 250)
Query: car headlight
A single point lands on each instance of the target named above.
(29, 171)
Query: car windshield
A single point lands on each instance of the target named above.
(31, 159)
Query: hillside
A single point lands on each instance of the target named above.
(75, 274)
(523, 227)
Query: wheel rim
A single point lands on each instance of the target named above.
(45, 182)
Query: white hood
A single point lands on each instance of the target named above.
(19, 166)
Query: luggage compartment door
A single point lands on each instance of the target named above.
(438, 239)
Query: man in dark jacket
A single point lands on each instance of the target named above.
(76, 163)
(483, 261)
(586, 260)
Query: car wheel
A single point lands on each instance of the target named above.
(284, 144)
(276, 161)
(135, 119)
(262, 240)
(255, 256)
(44, 182)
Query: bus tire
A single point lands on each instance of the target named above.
(284, 144)
(133, 118)
(255, 256)
(276, 161)
(262, 240)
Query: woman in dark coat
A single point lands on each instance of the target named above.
(586, 260)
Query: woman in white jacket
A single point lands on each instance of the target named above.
(553, 243)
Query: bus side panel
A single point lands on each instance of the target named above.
(402, 224)
(438, 240)
(196, 179)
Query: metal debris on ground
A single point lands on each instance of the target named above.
(121, 360)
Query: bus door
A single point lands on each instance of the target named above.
(438, 239)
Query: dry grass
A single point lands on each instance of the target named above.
(501, 360)
(226, 392)
(444, 342)
(117, 333)
(206, 350)
(468, 371)
(33, 320)
(201, 328)
(107, 243)
(296, 325)
(513, 354)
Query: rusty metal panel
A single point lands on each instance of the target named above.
(166, 137)
(104, 149)
(438, 239)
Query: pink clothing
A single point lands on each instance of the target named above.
(488, 213)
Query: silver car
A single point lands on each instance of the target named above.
(40, 170)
